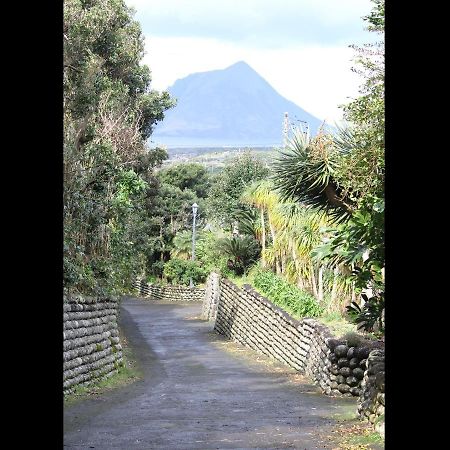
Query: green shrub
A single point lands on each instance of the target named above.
(180, 271)
(287, 296)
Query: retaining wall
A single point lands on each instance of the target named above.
(211, 299)
(92, 349)
(371, 401)
(337, 366)
(168, 292)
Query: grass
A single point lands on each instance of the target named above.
(363, 438)
(337, 324)
(128, 373)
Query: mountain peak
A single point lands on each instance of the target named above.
(240, 65)
(234, 104)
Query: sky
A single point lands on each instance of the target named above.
(300, 47)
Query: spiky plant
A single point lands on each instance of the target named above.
(304, 172)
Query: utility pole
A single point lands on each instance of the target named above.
(285, 129)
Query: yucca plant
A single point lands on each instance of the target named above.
(304, 172)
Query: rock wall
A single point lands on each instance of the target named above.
(92, 349)
(337, 366)
(371, 401)
(169, 292)
(209, 309)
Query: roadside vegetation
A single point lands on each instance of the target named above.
(306, 228)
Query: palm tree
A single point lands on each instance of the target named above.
(262, 195)
(242, 250)
(182, 245)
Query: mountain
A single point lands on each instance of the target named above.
(234, 106)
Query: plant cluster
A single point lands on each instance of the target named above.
(287, 296)
(181, 271)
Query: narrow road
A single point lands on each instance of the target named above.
(196, 394)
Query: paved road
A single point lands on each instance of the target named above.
(196, 394)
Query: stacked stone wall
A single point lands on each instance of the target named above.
(371, 400)
(169, 292)
(91, 345)
(209, 308)
(336, 365)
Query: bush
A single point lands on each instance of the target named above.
(180, 271)
(286, 295)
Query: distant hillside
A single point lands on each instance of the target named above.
(234, 106)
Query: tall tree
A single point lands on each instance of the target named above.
(109, 113)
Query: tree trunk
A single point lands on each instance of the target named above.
(334, 288)
(320, 293)
(263, 239)
(274, 236)
(313, 282)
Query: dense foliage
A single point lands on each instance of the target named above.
(287, 296)
(342, 178)
(180, 271)
(109, 112)
(227, 186)
(313, 222)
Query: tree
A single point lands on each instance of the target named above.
(228, 185)
(109, 113)
(192, 176)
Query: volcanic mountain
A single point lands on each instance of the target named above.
(230, 107)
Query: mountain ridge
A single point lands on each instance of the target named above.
(231, 105)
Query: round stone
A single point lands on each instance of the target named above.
(332, 343)
(358, 373)
(373, 370)
(343, 388)
(351, 352)
(379, 381)
(362, 364)
(351, 381)
(354, 362)
(362, 352)
(342, 362)
(340, 379)
(345, 371)
(341, 351)
(355, 391)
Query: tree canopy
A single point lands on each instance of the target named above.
(109, 112)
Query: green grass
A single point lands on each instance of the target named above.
(366, 438)
(128, 373)
(337, 324)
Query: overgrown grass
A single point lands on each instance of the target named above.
(128, 373)
(337, 324)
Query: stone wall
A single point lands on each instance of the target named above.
(209, 309)
(336, 365)
(371, 401)
(92, 349)
(169, 292)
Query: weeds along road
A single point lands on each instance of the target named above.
(200, 391)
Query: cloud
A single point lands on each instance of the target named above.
(316, 78)
(257, 23)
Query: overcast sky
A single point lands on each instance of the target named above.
(301, 47)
